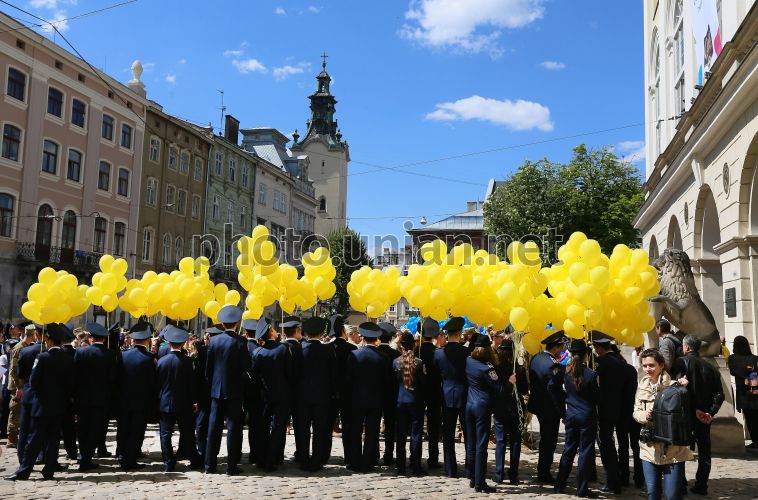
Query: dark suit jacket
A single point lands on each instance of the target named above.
(450, 362)
(177, 387)
(95, 376)
(546, 396)
(52, 382)
(24, 370)
(368, 378)
(342, 349)
(427, 352)
(226, 364)
(317, 373)
(272, 371)
(136, 376)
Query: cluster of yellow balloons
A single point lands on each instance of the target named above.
(316, 283)
(220, 296)
(107, 283)
(56, 297)
(372, 291)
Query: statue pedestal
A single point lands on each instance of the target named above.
(727, 433)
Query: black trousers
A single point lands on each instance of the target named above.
(549, 425)
(91, 429)
(5, 409)
(68, 432)
(579, 436)
(24, 424)
(751, 422)
(703, 440)
(507, 433)
(201, 429)
(368, 420)
(609, 454)
(229, 410)
(410, 421)
(628, 436)
(450, 417)
(44, 436)
(187, 449)
(131, 429)
(316, 417)
(433, 421)
(340, 410)
(274, 432)
(478, 419)
(390, 418)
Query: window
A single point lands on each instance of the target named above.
(166, 254)
(172, 158)
(262, 194)
(106, 131)
(656, 95)
(50, 157)
(181, 202)
(147, 243)
(16, 84)
(104, 176)
(78, 112)
(178, 249)
(74, 169)
(215, 207)
(119, 238)
(55, 102)
(155, 146)
(11, 142)
(101, 229)
(198, 175)
(678, 24)
(44, 226)
(276, 199)
(243, 218)
(229, 212)
(170, 197)
(322, 204)
(232, 170)
(152, 189)
(68, 235)
(245, 175)
(123, 182)
(228, 253)
(184, 165)
(195, 206)
(6, 215)
(283, 204)
(219, 162)
(126, 136)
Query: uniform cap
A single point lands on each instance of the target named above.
(262, 328)
(599, 338)
(141, 330)
(336, 325)
(290, 321)
(175, 335)
(58, 332)
(248, 325)
(314, 326)
(213, 330)
(454, 324)
(387, 328)
(229, 315)
(430, 328)
(506, 345)
(578, 346)
(97, 330)
(481, 341)
(557, 338)
(369, 330)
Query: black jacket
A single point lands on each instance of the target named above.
(704, 382)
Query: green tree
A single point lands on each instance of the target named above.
(595, 192)
(348, 253)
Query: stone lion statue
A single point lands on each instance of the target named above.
(680, 303)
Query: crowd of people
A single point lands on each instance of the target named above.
(321, 375)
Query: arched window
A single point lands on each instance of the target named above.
(322, 204)
(68, 234)
(101, 231)
(119, 238)
(147, 243)
(677, 28)
(45, 225)
(656, 91)
(152, 189)
(7, 203)
(166, 254)
(178, 249)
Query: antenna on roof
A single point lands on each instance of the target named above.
(223, 110)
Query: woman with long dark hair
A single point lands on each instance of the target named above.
(484, 384)
(509, 411)
(743, 363)
(409, 417)
(581, 387)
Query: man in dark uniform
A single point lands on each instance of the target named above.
(314, 395)
(390, 404)
(450, 362)
(136, 374)
(252, 406)
(163, 346)
(430, 329)
(178, 401)
(68, 424)
(272, 369)
(95, 375)
(51, 382)
(203, 393)
(546, 400)
(340, 405)
(24, 371)
(293, 335)
(611, 376)
(369, 382)
(628, 431)
(226, 364)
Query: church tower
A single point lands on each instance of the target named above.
(329, 155)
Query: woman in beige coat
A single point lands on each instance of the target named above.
(659, 460)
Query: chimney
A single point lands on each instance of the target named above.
(472, 205)
(231, 129)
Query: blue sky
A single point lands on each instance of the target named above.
(415, 81)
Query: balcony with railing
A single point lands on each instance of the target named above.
(35, 253)
(305, 187)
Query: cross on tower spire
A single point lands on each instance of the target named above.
(324, 57)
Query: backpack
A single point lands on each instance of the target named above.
(672, 416)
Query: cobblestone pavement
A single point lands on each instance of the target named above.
(730, 478)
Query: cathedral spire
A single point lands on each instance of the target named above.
(322, 125)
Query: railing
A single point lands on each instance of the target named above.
(305, 188)
(47, 254)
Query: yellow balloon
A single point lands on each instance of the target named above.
(138, 297)
(106, 261)
(579, 273)
(600, 278)
(187, 265)
(519, 318)
(119, 267)
(531, 343)
(633, 294)
(31, 311)
(95, 295)
(232, 297)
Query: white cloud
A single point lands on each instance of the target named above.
(148, 67)
(632, 151)
(470, 26)
(246, 66)
(171, 78)
(182, 61)
(553, 65)
(58, 22)
(279, 11)
(516, 115)
(286, 71)
(50, 4)
(232, 53)
(313, 9)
